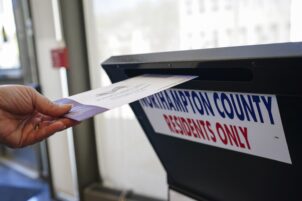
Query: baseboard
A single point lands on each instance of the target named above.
(97, 192)
(20, 168)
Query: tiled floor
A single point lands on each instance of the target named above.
(9, 176)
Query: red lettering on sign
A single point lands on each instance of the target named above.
(244, 133)
(186, 126)
(168, 123)
(221, 133)
(213, 137)
(190, 127)
(239, 139)
(229, 135)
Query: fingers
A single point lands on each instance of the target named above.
(36, 131)
(49, 128)
(47, 107)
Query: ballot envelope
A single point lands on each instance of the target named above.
(234, 132)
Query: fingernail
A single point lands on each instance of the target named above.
(66, 105)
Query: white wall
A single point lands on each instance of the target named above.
(60, 161)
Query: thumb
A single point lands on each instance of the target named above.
(47, 107)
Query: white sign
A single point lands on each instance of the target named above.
(247, 123)
(90, 103)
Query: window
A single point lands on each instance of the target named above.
(215, 5)
(9, 52)
(143, 26)
(215, 38)
(201, 6)
(228, 4)
(242, 35)
(189, 6)
(17, 54)
(274, 31)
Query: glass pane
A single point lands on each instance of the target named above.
(142, 26)
(9, 52)
(139, 26)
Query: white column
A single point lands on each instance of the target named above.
(47, 34)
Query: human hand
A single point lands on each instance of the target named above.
(27, 117)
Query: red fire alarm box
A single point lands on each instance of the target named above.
(59, 57)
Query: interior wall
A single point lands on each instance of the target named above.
(45, 39)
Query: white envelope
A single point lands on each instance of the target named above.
(90, 103)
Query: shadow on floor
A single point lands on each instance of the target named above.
(11, 178)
